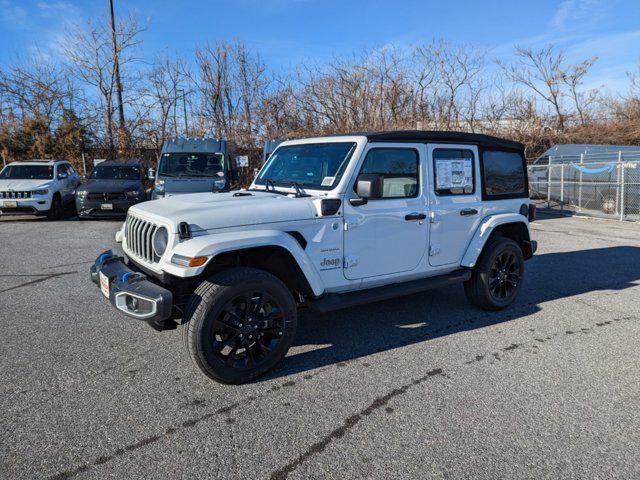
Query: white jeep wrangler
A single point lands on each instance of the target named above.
(328, 223)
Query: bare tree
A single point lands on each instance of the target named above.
(573, 78)
(167, 84)
(35, 88)
(232, 82)
(541, 71)
(91, 51)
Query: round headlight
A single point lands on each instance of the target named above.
(160, 240)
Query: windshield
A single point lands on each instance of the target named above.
(115, 172)
(191, 165)
(312, 165)
(27, 172)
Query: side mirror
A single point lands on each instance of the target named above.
(369, 186)
(63, 175)
(151, 174)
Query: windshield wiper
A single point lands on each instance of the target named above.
(269, 186)
(270, 183)
(299, 191)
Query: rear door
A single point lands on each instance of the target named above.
(456, 201)
(388, 235)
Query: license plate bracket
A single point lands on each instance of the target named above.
(107, 206)
(10, 204)
(104, 284)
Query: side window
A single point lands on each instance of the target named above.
(503, 174)
(62, 169)
(454, 172)
(399, 168)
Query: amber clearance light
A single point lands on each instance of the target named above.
(197, 261)
(188, 261)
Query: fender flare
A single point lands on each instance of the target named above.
(484, 231)
(216, 243)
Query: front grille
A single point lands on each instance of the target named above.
(106, 196)
(139, 234)
(13, 195)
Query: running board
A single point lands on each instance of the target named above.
(336, 301)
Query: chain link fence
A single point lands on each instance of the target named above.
(599, 185)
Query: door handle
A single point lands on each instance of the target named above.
(415, 216)
(468, 211)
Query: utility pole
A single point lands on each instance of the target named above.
(184, 108)
(116, 68)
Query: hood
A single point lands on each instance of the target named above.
(207, 211)
(24, 185)
(109, 186)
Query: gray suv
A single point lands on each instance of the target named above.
(191, 165)
(111, 188)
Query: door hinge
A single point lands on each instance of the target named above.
(434, 250)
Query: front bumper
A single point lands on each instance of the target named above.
(25, 206)
(130, 291)
(94, 208)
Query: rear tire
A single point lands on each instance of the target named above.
(497, 278)
(55, 211)
(239, 324)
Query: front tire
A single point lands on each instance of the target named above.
(239, 324)
(55, 212)
(497, 278)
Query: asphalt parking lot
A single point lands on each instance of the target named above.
(420, 387)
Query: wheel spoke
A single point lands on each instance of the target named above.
(252, 304)
(226, 324)
(230, 342)
(251, 361)
(263, 348)
(233, 314)
(232, 356)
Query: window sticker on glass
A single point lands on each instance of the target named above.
(327, 181)
(453, 173)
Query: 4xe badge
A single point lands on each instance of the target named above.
(330, 263)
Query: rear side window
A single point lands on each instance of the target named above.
(454, 173)
(399, 168)
(503, 174)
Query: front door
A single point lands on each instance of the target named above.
(455, 199)
(388, 235)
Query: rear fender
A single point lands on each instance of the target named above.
(484, 231)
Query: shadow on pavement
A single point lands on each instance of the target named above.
(360, 331)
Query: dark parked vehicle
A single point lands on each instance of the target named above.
(111, 188)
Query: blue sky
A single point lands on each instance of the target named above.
(287, 32)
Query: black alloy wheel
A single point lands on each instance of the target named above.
(239, 324)
(498, 275)
(247, 330)
(504, 276)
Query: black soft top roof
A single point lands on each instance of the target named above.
(440, 137)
